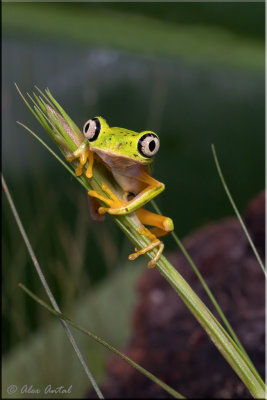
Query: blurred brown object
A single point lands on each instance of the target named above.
(166, 338)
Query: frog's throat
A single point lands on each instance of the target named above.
(116, 160)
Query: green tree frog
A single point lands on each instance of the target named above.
(127, 154)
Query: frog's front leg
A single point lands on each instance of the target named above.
(120, 207)
(112, 201)
(83, 153)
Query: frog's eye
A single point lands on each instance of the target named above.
(92, 129)
(148, 145)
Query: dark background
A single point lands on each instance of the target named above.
(192, 72)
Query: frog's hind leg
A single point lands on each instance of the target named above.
(162, 226)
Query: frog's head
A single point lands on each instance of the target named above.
(120, 142)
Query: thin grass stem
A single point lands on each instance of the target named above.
(70, 170)
(159, 382)
(236, 210)
(44, 96)
(47, 289)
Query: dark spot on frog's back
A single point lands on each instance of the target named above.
(135, 155)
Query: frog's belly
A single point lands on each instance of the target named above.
(127, 172)
(129, 184)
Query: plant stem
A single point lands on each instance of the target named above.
(164, 386)
(217, 334)
(224, 343)
(236, 210)
(206, 288)
(47, 289)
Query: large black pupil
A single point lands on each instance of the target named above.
(152, 145)
(87, 127)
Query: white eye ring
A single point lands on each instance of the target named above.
(92, 129)
(148, 145)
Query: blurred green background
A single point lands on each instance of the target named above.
(192, 72)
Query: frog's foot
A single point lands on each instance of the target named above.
(155, 243)
(162, 226)
(83, 153)
(113, 201)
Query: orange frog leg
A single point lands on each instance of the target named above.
(162, 226)
(120, 207)
(83, 153)
(111, 201)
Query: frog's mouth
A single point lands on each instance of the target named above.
(117, 160)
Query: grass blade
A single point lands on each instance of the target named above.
(47, 289)
(236, 210)
(163, 385)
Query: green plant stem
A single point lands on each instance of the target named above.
(47, 289)
(216, 332)
(164, 386)
(236, 210)
(205, 286)
(222, 340)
